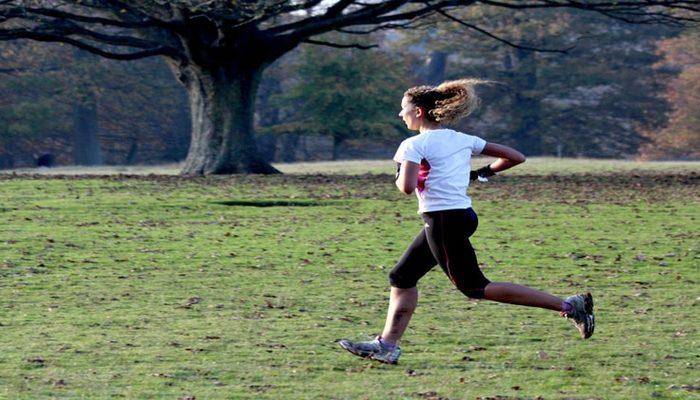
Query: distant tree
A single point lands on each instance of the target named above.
(681, 137)
(95, 109)
(219, 49)
(31, 123)
(144, 112)
(270, 112)
(602, 94)
(346, 95)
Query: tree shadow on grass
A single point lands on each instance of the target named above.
(275, 203)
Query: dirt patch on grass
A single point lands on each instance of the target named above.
(617, 188)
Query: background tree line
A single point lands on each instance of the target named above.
(620, 90)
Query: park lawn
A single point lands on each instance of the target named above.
(240, 287)
(533, 166)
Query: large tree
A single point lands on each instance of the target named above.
(219, 49)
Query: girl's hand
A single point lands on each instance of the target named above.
(481, 174)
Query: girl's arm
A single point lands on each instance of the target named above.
(508, 157)
(408, 177)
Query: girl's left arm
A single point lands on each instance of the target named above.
(508, 157)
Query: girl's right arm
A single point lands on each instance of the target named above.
(407, 178)
(508, 157)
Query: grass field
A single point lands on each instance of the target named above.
(534, 166)
(143, 287)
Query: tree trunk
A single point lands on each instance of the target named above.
(527, 109)
(131, 155)
(268, 115)
(86, 142)
(267, 146)
(337, 143)
(222, 103)
(7, 161)
(435, 70)
(289, 142)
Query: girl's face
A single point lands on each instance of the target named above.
(411, 114)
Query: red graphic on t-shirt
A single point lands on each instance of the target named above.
(423, 174)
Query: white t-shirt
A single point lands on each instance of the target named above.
(444, 156)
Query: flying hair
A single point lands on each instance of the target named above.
(449, 101)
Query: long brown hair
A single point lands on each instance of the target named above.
(447, 102)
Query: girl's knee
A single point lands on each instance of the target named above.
(401, 281)
(475, 291)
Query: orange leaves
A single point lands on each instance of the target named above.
(681, 137)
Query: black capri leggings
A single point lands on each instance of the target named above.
(444, 240)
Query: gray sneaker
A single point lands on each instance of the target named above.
(372, 350)
(582, 314)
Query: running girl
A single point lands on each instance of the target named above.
(434, 163)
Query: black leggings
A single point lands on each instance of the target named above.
(444, 240)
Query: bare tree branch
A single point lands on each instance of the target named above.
(11, 34)
(117, 40)
(28, 13)
(271, 12)
(633, 16)
(615, 9)
(338, 16)
(12, 71)
(339, 45)
(504, 41)
(338, 8)
(321, 23)
(165, 27)
(282, 7)
(407, 25)
(420, 12)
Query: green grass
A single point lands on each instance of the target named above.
(533, 166)
(239, 287)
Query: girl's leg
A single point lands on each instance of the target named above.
(416, 261)
(402, 303)
(511, 293)
(448, 237)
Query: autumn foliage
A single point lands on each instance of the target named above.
(681, 137)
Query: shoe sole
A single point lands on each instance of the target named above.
(383, 361)
(366, 355)
(588, 306)
(363, 355)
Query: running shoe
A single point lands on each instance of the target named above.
(582, 313)
(372, 350)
